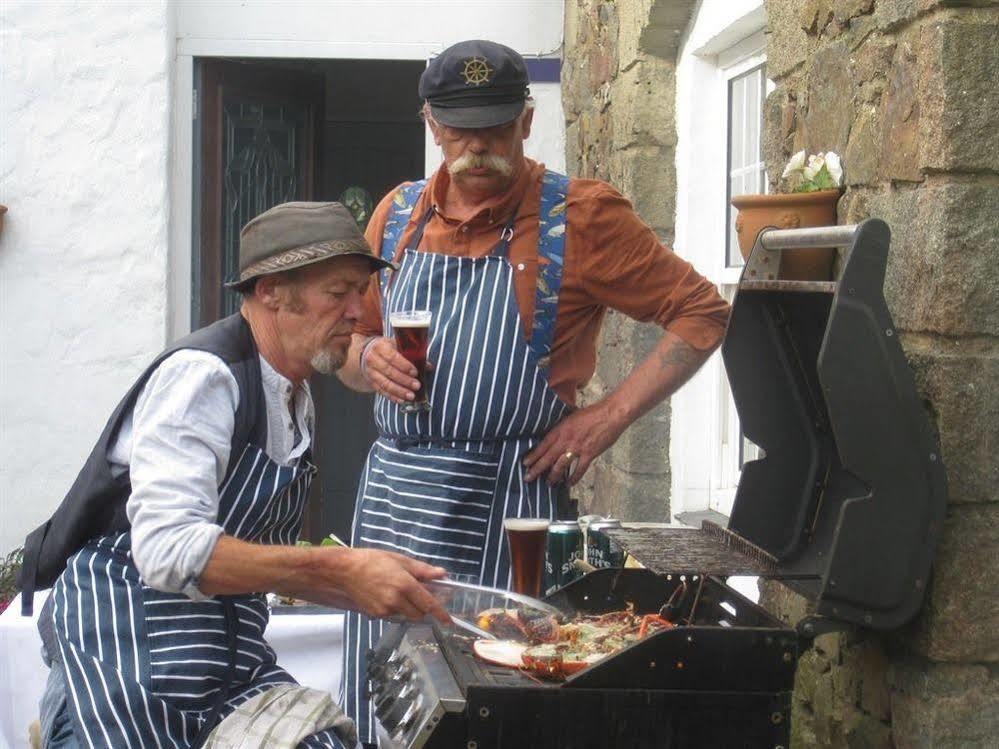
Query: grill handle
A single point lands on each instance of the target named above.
(819, 236)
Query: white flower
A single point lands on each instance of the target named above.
(815, 164)
(835, 168)
(796, 163)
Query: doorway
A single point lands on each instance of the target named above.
(270, 131)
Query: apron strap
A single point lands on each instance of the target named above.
(502, 246)
(403, 202)
(402, 442)
(414, 241)
(551, 257)
(500, 249)
(551, 250)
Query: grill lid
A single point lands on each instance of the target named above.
(848, 499)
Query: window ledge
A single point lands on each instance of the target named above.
(693, 519)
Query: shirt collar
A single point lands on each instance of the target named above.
(496, 208)
(277, 382)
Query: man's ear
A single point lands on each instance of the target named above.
(525, 124)
(435, 130)
(270, 291)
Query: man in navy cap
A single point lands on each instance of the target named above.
(517, 265)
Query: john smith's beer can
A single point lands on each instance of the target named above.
(601, 550)
(565, 545)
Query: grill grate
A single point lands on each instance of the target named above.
(708, 550)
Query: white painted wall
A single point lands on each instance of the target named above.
(95, 167)
(367, 29)
(84, 145)
(701, 163)
(356, 29)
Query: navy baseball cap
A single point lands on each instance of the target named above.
(475, 84)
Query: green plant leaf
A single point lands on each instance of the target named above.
(823, 180)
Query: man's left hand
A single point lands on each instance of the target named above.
(567, 450)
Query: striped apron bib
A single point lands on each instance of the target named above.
(437, 484)
(145, 668)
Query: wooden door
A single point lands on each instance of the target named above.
(259, 132)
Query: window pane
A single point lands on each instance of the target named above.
(737, 103)
(752, 129)
(745, 161)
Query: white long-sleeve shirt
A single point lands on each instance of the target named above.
(175, 445)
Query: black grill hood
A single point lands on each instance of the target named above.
(848, 500)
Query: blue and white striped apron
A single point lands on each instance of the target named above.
(437, 484)
(144, 668)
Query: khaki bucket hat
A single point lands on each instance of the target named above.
(293, 235)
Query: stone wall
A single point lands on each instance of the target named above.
(906, 91)
(618, 90)
(85, 93)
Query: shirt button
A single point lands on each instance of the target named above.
(520, 266)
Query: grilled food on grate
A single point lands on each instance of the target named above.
(546, 646)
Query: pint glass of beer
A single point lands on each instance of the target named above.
(411, 331)
(527, 537)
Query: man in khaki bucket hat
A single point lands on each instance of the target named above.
(293, 235)
(190, 505)
(286, 257)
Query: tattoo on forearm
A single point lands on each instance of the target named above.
(681, 356)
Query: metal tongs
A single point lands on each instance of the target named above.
(447, 587)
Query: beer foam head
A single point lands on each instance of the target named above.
(526, 524)
(411, 319)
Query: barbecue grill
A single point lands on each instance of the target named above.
(845, 505)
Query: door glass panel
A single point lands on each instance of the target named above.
(260, 170)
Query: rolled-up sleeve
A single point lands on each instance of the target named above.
(625, 267)
(182, 429)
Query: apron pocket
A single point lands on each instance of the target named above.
(431, 503)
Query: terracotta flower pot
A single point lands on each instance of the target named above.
(790, 211)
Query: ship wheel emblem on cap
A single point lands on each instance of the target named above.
(477, 71)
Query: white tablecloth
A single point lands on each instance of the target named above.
(309, 646)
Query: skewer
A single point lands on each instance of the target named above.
(697, 599)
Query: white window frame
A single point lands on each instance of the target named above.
(732, 63)
(705, 432)
(726, 464)
(729, 72)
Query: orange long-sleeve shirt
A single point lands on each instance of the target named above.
(612, 260)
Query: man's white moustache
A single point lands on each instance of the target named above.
(488, 161)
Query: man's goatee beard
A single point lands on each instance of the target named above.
(328, 362)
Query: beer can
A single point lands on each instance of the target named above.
(565, 545)
(601, 550)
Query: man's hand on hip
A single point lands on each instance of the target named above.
(568, 449)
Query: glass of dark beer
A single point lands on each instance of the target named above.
(411, 331)
(527, 537)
